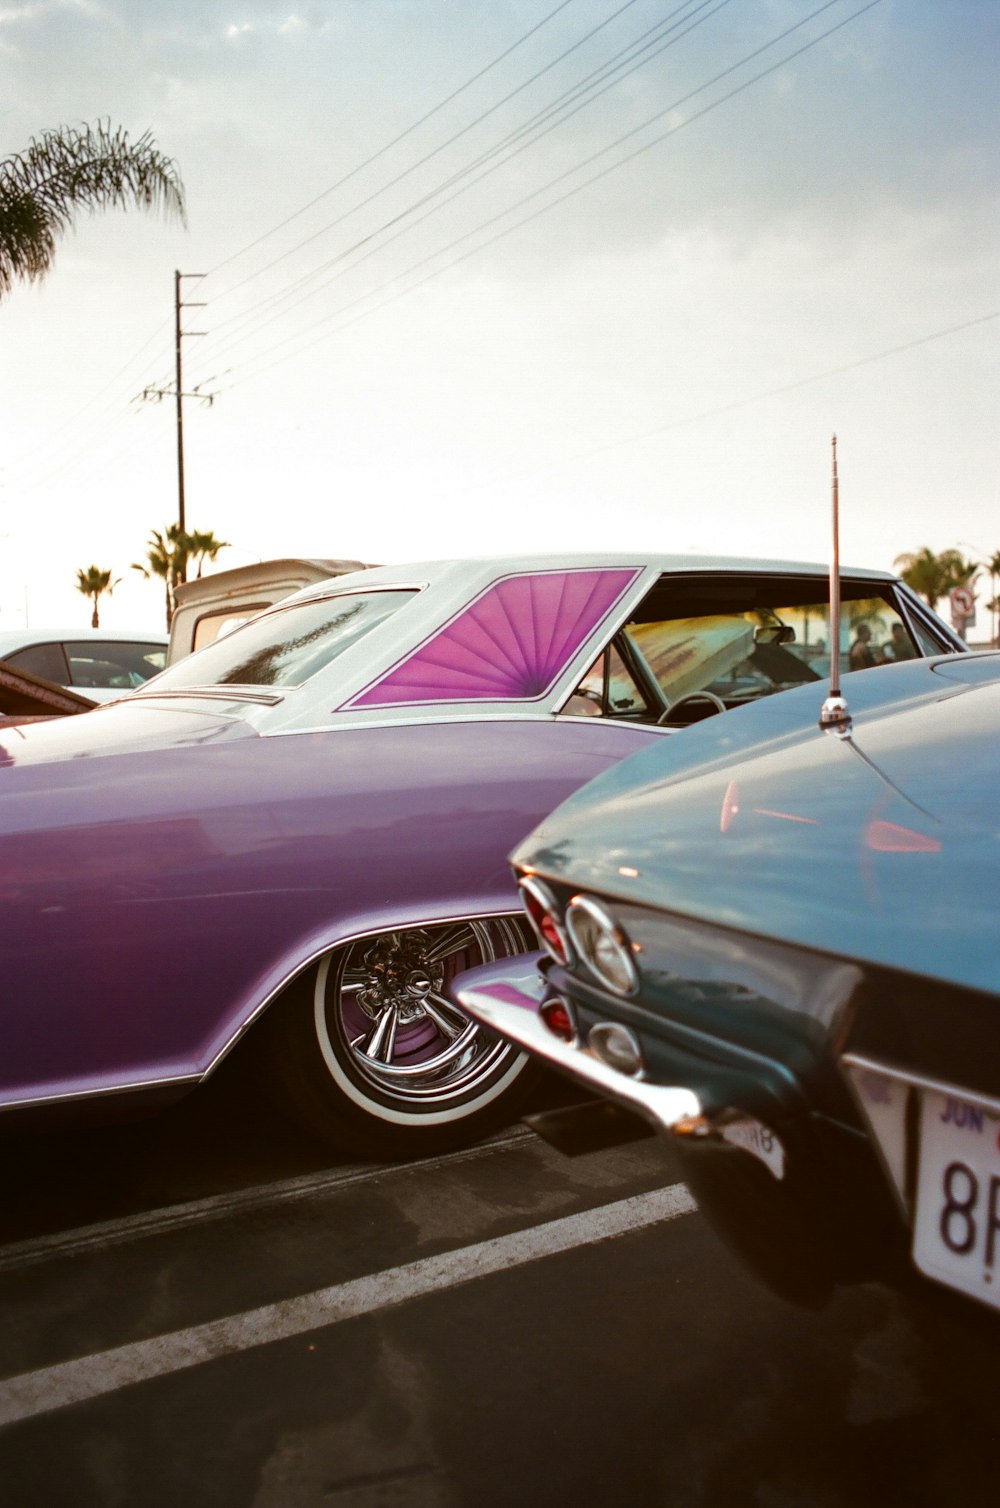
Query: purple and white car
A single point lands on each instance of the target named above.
(301, 831)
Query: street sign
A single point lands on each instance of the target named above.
(963, 609)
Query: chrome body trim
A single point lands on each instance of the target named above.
(105, 1091)
(437, 715)
(919, 1080)
(342, 942)
(192, 1080)
(512, 1010)
(232, 693)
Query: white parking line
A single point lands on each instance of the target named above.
(87, 1377)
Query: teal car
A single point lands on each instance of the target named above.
(777, 944)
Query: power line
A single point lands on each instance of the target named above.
(249, 316)
(728, 408)
(578, 188)
(435, 109)
(436, 151)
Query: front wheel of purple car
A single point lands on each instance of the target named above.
(373, 1055)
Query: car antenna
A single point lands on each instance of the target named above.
(834, 716)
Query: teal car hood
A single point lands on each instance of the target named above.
(884, 846)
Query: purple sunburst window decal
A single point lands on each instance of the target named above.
(510, 644)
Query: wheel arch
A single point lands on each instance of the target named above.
(297, 961)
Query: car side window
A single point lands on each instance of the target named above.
(113, 666)
(608, 690)
(44, 660)
(701, 640)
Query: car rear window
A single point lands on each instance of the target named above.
(286, 647)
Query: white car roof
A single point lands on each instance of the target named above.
(12, 639)
(489, 567)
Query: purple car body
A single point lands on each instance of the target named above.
(308, 823)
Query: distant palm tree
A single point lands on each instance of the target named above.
(934, 576)
(204, 547)
(93, 583)
(993, 566)
(166, 557)
(69, 169)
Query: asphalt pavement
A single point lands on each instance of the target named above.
(206, 1310)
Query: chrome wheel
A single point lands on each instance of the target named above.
(394, 1044)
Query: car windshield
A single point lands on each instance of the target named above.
(286, 647)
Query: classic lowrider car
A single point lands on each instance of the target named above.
(301, 830)
(778, 944)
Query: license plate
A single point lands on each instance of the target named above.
(956, 1233)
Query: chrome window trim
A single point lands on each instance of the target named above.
(233, 693)
(437, 716)
(308, 594)
(913, 609)
(625, 600)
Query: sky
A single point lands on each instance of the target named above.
(518, 276)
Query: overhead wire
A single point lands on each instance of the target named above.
(692, 6)
(570, 193)
(434, 110)
(374, 157)
(72, 440)
(252, 316)
(638, 436)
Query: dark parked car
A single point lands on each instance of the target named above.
(778, 944)
(301, 830)
(25, 697)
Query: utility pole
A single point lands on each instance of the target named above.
(178, 388)
(178, 334)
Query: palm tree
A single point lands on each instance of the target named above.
(166, 557)
(93, 583)
(934, 576)
(922, 571)
(69, 169)
(204, 547)
(993, 566)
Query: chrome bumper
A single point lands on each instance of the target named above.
(510, 1007)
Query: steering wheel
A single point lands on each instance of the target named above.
(716, 703)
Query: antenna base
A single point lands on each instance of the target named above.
(835, 716)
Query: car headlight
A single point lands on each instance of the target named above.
(601, 945)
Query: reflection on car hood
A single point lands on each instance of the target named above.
(122, 727)
(881, 847)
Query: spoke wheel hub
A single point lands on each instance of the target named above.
(399, 973)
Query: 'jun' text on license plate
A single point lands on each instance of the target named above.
(956, 1235)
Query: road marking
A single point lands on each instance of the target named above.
(88, 1377)
(197, 1212)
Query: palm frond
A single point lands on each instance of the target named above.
(90, 167)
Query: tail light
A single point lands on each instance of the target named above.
(540, 906)
(559, 1019)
